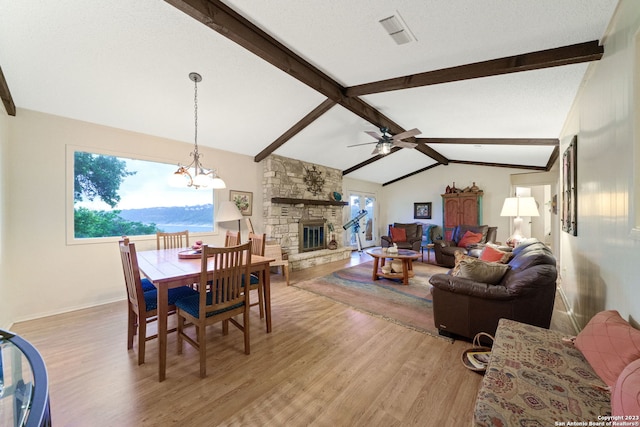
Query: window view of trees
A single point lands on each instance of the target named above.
(116, 196)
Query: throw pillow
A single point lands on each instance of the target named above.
(609, 343)
(398, 234)
(482, 271)
(469, 238)
(459, 257)
(625, 396)
(491, 254)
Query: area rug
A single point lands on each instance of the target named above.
(409, 306)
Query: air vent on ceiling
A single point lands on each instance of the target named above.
(397, 29)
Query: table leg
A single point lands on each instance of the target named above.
(375, 268)
(405, 271)
(266, 279)
(163, 309)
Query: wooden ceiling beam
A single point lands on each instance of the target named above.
(491, 141)
(411, 174)
(5, 94)
(573, 54)
(224, 20)
(552, 158)
(295, 129)
(499, 165)
(369, 161)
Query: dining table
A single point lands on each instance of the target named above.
(166, 269)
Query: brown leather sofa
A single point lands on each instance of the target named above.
(445, 249)
(414, 237)
(526, 294)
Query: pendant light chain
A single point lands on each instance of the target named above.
(195, 113)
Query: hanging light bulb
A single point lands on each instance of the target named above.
(194, 174)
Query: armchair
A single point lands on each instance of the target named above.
(412, 239)
(445, 249)
(526, 293)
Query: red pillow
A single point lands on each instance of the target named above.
(491, 254)
(398, 234)
(609, 343)
(469, 238)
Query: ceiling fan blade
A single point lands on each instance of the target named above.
(373, 134)
(406, 134)
(364, 143)
(405, 144)
(375, 150)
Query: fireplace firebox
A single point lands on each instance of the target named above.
(312, 236)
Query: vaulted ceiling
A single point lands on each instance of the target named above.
(487, 82)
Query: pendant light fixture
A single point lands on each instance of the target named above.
(194, 174)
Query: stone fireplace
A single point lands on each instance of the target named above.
(290, 207)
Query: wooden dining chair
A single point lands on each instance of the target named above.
(178, 239)
(232, 238)
(258, 242)
(274, 251)
(142, 306)
(226, 297)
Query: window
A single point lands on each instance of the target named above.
(115, 195)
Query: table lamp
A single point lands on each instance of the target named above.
(518, 207)
(228, 211)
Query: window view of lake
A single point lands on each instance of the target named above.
(143, 203)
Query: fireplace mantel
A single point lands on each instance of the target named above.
(290, 201)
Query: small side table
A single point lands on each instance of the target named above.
(428, 247)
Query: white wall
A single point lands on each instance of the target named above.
(47, 276)
(599, 267)
(6, 304)
(428, 186)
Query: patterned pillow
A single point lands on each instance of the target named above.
(489, 253)
(609, 343)
(478, 270)
(459, 255)
(398, 234)
(469, 238)
(482, 271)
(625, 397)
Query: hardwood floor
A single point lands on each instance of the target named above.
(324, 364)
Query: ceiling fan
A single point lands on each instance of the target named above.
(385, 142)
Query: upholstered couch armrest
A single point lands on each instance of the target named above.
(444, 243)
(385, 241)
(463, 286)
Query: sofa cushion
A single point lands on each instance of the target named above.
(470, 238)
(398, 234)
(459, 255)
(625, 398)
(491, 254)
(481, 271)
(609, 343)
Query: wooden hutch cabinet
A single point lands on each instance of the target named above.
(461, 209)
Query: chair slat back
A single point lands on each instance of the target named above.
(132, 275)
(231, 266)
(232, 238)
(258, 242)
(178, 239)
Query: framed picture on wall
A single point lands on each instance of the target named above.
(422, 210)
(569, 188)
(243, 200)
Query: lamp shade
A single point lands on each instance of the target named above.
(228, 211)
(519, 206)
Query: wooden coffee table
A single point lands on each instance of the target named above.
(380, 256)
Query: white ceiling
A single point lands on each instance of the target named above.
(125, 64)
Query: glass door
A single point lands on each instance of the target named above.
(365, 227)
